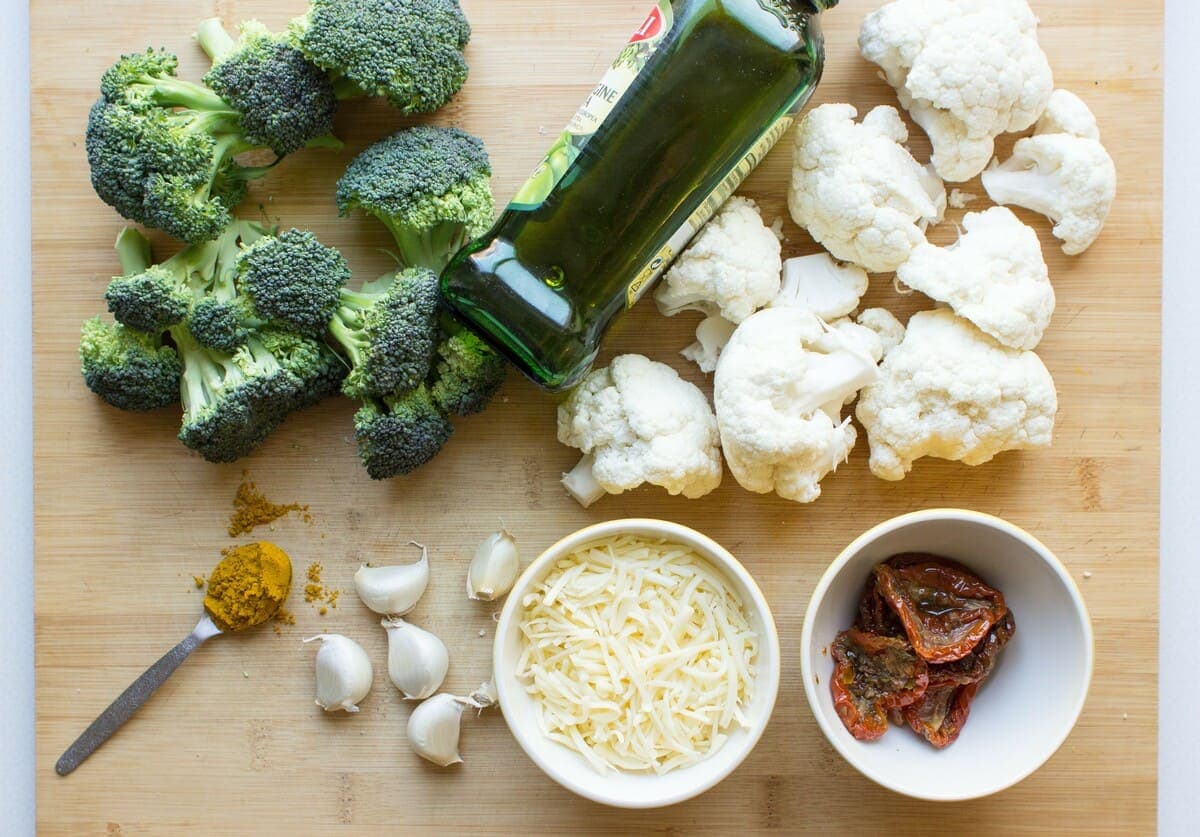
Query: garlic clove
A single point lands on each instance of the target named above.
(394, 590)
(434, 727)
(344, 673)
(417, 660)
(494, 568)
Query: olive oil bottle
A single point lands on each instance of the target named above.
(696, 99)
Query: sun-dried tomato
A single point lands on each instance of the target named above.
(872, 674)
(940, 714)
(946, 609)
(875, 615)
(978, 665)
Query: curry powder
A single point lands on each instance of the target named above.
(248, 587)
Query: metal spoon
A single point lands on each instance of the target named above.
(262, 561)
(122, 709)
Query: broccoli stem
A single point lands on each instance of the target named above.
(581, 482)
(345, 88)
(203, 373)
(348, 335)
(133, 250)
(328, 141)
(174, 92)
(426, 247)
(214, 40)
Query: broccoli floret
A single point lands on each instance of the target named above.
(218, 324)
(146, 82)
(318, 366)
(429, 185)
(161, 167)
(247, 279)
(128, 369)
(469, 373)
(288, 281)
(286, 101)
(150, 301)
(118, 170)
(398, 434)
(292, 280)
(410, 51)
(145, 298)
(161, 150)
(155, 298)
(232, 401)
(232, 398)
(388, 332)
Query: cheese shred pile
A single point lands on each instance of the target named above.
(638, 654)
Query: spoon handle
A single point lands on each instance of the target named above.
(122, 709)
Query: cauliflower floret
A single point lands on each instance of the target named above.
(637, 421)
(779, 391)
(731, 267)
(1067, 114)
(994, 276)
(884, 323)
(1062, 172)
(950, 391)
(819, 284)
(866, 341)
(967, 70)
(858, 191)
(712, 335)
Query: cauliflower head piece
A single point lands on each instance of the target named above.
(967, 70)
(858, 191)
(887, 328)
(1068, 114)
(638, 422)
(779, 391)
(951, 392)
(994, 276)
(1062, 172)
(712, 335)
(730, 269)
(821, 285)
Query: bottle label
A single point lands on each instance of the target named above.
(703, 213)
(599, 105)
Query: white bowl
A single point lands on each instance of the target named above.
(636, 790)
(1028, 706)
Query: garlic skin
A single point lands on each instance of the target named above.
(494, 568)
(395, 590)
(434, 727)
(417, 660)
(344, 673)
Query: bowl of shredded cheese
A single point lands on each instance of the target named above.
(637, 663)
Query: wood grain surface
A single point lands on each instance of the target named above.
(234, 745)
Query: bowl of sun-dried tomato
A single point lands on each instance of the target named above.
(947, 654)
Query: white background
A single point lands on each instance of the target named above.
(1179, 760)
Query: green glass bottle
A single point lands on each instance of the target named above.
(697, 98)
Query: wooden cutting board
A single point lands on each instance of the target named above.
(233, 743)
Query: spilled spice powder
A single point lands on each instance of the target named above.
(251, 509)
(199, 579)
(316, 592)
(282, 617)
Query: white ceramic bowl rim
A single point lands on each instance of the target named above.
(732, 754)
(903, 521)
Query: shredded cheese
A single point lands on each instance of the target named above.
(638, 654)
